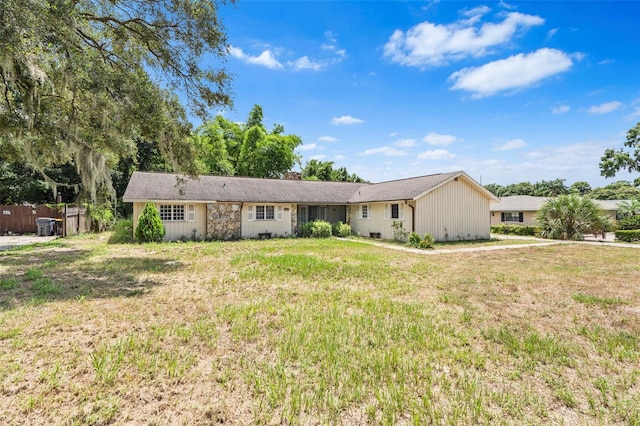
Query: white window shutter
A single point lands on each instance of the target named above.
(401, 211)
(279, 215)
(386, 211)
(250, 213)
(359, 212)
(191, 213)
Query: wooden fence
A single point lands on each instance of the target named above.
(22, 219)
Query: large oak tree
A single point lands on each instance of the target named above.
(80, 79)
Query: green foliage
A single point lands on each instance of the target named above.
(226, 148)
(543, 188)
(569, 217)
(316, 229)
(305, 229)
(416, 241)
(122, 232)
(101, 215)
(399, 233)
(344, 230)
(150, 227)
(628, 209)
(614, 161)
(320, 229)
(628, 236)
(71, 70)
(629, 223)
(620, 190)
(323, 170)
(521, 230)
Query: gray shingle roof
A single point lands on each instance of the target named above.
(528, 203)
(145, 186)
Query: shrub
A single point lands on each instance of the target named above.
(344, 230)
(321, 229)
(426, 242)
(122, 232)
(628, 236)
(305, 229)
(414, 239)
(629, 223)
(335, 228)
(521, 230)
(150, 227)
(399, 233)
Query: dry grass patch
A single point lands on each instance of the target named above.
(317, 332)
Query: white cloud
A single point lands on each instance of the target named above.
(552, 32)
(308, 147)
(606, 62)
(328, 139)
(428, 44)
(438, 139)
(560, 109)
(304, 63)
(436, 154)
(635, 113)
(512, 144)
(345, 119)
(317, 157)
(265, 59)
(339, 157)
(516, 72)
(604, 108)
(385, 150)
(405, 143)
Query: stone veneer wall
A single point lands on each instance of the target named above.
(224, 221)
(294, 219)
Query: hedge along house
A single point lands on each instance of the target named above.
(448, 206)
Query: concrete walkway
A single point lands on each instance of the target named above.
(541, 243)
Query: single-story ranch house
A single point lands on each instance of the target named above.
(522, 209)
(449, 206)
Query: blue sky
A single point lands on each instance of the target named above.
(508, 92)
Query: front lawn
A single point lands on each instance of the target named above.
(317, 332)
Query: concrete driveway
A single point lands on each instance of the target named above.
(12, 241)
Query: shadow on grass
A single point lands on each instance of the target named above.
(35, 277)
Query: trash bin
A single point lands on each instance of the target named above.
(45, 226)
(58, 227)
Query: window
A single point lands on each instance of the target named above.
(172, 212)
(395, 211)
(265, 213)
(365, 211)
(512, 217)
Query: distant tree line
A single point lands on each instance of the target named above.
(620, 190)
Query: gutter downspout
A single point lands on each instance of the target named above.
(413, 215)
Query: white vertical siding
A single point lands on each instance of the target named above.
(279, 228)
(176, 230)
(377, 222)
(455, 211)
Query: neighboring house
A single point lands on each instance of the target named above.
(522, 209)
(449, 206)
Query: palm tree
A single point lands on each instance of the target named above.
(628, 208)
(570, 217)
